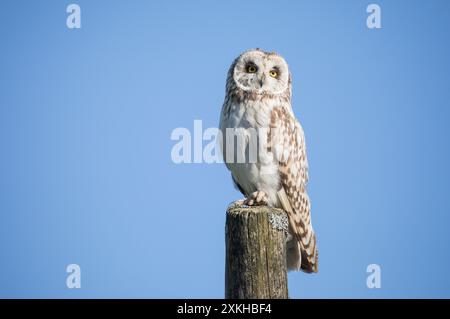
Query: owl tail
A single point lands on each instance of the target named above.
(299, 258)
(301, 245)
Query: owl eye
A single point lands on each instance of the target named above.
(251, 68)
(273, 73)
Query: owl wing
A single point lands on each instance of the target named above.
(287, 142)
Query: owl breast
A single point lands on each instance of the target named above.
(258, 171)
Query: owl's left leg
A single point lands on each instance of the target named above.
(258, 198)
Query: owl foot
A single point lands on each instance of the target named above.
(258, 198)
(237, 203)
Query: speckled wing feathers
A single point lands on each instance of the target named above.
(287, 142)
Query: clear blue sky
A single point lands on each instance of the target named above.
(86, 115)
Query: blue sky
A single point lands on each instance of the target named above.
(86, 117)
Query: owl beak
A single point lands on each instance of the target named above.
(261, 81)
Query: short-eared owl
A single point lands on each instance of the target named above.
(258, 98)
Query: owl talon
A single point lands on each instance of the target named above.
(237, 203)
(258, 198)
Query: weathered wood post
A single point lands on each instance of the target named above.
(255, 253)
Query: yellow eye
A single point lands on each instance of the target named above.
(273, 73)
(251, 69)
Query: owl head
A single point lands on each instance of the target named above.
(259, 72)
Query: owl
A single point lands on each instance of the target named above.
(274, 172)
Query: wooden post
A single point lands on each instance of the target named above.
(255, 253)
